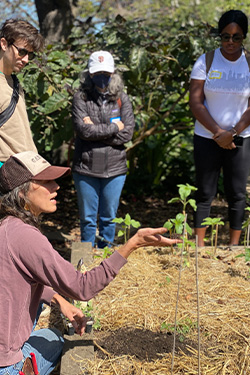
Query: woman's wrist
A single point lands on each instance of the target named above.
(57, 299)
(233, 131)
(218, 130)
(126, 249)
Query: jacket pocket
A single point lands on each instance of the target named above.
(98, 160)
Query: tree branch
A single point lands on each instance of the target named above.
(152, 130)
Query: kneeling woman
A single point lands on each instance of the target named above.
(33, 272)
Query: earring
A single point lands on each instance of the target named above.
(26, 207)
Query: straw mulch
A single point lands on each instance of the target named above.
(142, 299)
(143, 296)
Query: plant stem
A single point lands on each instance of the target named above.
(212, 235)
(248, 233)
(216, 238)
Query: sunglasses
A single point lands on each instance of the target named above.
(236, 38)
(23, 52)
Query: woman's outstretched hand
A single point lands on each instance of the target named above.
(146, 237)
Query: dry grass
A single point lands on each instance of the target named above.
(144, 296)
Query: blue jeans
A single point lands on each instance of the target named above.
(98, 196)
(46, 344)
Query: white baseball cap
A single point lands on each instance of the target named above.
(101, 61)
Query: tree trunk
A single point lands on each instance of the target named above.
(56, 18)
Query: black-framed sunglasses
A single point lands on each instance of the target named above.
(236, 38)
(23, 52)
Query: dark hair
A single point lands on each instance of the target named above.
(14, 204)
(236, 16)
(14, 29)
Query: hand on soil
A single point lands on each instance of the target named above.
(75, 315)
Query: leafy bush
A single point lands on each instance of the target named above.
(156, 63)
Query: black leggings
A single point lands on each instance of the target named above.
(209, 159)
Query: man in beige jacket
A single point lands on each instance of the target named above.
(19, 41)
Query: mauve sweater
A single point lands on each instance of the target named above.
(29, 269)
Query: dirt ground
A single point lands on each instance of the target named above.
(203, 296)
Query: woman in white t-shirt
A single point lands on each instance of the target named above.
(219, 100)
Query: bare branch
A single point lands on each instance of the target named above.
(153, 130)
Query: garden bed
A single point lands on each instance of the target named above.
(137, 310)
(137, 316)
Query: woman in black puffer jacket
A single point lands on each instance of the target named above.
(103, 122)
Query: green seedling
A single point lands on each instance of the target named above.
(126, 225)
(167, 282)
(87, 307)
(106, 253)
(246, 227)
(214, 224)
(88, 311)
(182, 327)
(184, 193)
(179, 222)
(171, 229)
(188, 242)
(169, 226)
(176, 225)
(246, 255)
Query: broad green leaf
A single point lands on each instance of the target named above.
(138, 58)
(173, 200)
(180, 217)
(188, 229)
(50, 90)
(192, 203)
(120, 233)
(135, 224)
(184, 191)
(55, 102)
(179, 228)
(168, 225)
(127, 220)
(118, 220)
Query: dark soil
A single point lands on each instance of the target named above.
(144, 345)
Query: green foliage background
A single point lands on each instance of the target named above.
(155, 60)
